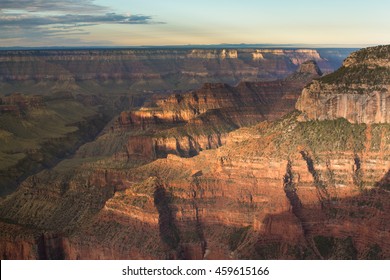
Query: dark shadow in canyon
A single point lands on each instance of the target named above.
(342, 236)
(169, 233)
(385, 182)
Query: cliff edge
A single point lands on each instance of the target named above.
(359, 91)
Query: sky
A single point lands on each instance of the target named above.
(32, 23)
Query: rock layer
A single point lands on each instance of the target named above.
(359, 91)
(185, 124)
(275, 190)
(156, 70)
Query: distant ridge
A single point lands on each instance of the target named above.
(216, 46)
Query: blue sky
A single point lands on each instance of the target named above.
(182, 22)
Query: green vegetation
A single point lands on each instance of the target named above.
(333, 135)
(40, 136)
(139, 201)
(363, 71)
(268, 251)
(237, 237)
(374, 253)
(147, 187)
(360, 74)
(289, 136)
(336, 248)
(190, 235)
(378, 52)
(324, 245)
(58, 119)
(300, 252)
(380, 136)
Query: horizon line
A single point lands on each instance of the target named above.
(222, 45)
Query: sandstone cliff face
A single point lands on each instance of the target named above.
(287, 189)
(185, 124)
(359, 91)
(284, 190)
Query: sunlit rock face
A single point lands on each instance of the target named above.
(359, 91)
(185, 124)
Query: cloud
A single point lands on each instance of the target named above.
(50, 5)
(27, 20)
(46, 18)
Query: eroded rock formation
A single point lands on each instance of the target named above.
(359, 91)
(185, 124)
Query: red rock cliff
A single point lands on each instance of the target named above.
(359, 91)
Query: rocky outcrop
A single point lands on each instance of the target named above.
(291, 184)
(213, 54)
(185, 124)
(306, 71)
(359, 91)
(287, 189)
(17, 103)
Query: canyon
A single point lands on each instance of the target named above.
(141, 71)
(223, 171)
(53, 101)
(38, 131)
(185, 124)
